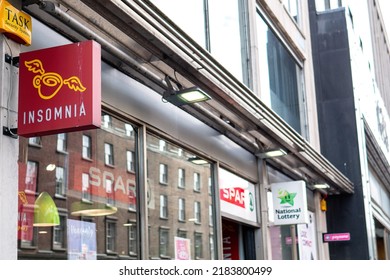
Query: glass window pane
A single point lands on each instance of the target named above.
(192, 23)
(99, 199)
(283, 90)
(173, 211)
(226, 35)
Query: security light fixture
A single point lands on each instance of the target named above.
(186, 96)
(271, 153)
(321, 186)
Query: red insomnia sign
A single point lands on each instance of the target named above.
(60, 89)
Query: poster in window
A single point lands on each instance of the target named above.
(81, 240)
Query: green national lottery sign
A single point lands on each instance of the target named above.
(289, 203)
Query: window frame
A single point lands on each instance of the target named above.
(110, 236)
(109, 154)
(87, 149)
(163, 206)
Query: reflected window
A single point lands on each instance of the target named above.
(162, 145)
(60, 181)
(181, 233)
(164, 242)
(197, 214)
(293, 8)
(282, 89)
(110, 236)
(173, 207)
(181, 180)
(129, 130)
(87, 147)
(198, 245)
(86, 189)
(182, 209)
(109, 191)
(163, 173)
(130, 164)
(163, 206)
(132, 239)
(196, 182)
(61, 142)
(31, 176)
(106, 121)
(59, 233)
(108, 154)
(35, 141)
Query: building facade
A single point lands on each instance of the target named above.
(353, 113)
(141, 171)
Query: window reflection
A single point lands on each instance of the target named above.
(175, 215)
(95, 195)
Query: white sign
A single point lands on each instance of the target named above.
(237, 196)
(289, 203)
(307, 239)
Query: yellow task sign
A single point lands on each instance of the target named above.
(15, 24)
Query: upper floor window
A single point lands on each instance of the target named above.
(182, 209)
(282, 86)
(86, 190)
(163, 173)
(181, 180)
(31, 176)
(162, 145)
(197, 213)
(110, 236)
(108, 154)
(35, 141)
(87, 147)
(61, 142)
(129, 130)
(109, 191)
(60, 181)
(106, 121)
(130, 165)
(221, 31)
(163, 206)
(197, 182)
(293, 8)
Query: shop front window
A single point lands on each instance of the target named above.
(94, 198)
(174, 213)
